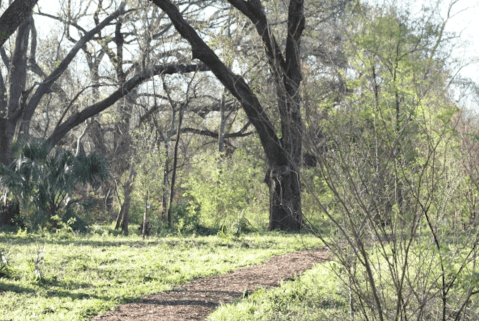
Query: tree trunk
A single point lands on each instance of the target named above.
(126, 210)
(166, 141)
(164, 200)
(175, 164)
(6, 135)
(285, 199)
(120, 216)
(284, 153)
(123, 216)
(15, 99)
(145, 216)
(221, 132)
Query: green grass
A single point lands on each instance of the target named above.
(315, 295)
(321, 293)
(82, 276)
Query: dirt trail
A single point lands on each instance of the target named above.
(197, 299)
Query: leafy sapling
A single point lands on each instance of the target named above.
(35, 263)
(4, 265)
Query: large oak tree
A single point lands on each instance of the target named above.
(283, 152)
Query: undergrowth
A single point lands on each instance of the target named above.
(322, 293)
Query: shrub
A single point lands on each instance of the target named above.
(221, 187)
(78, 224)
(42, 177)
(5, 269)
(185, 217)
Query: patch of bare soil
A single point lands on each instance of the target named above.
(197, 299)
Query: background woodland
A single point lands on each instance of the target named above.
(339, 117)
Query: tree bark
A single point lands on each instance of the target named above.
(283, 154)
(166, 140)
(127, 189)
(15, 102)
(15, 15)
(285, 182)
(221, 131)
(18, 69)
(5, 130)
(122, 218)
(175, 164)
(126, 209)
(285, 199)
(164, 200)
(145, 216)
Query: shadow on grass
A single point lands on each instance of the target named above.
(136, 243)
(92, 243)
(51, 292)
(14, 288)
(139, 243)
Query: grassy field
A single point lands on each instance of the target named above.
(73, 277)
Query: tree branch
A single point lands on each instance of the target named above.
(296, 22)
(234, 83)
(15, 14)
(46, 84)
(94, 109)
(254, 11)
(209, 133)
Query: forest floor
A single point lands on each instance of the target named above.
(198, 298)
(64, 276)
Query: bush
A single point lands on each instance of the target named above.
(5, 269)
(9, 214)
(221, 187)
(237, 226)
(78, 225)
(185, 217)
(47, 175)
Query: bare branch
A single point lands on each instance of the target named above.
(94, 109)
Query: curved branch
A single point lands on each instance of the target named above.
(234, 83)
(46, 84)
(94, 109)
(62, 21)
(254, 11)
(209, 133)
(13, 17)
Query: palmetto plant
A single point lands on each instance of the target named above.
(44, 176)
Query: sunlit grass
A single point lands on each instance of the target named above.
(322, 293)
(82, 276)
(315, 295)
